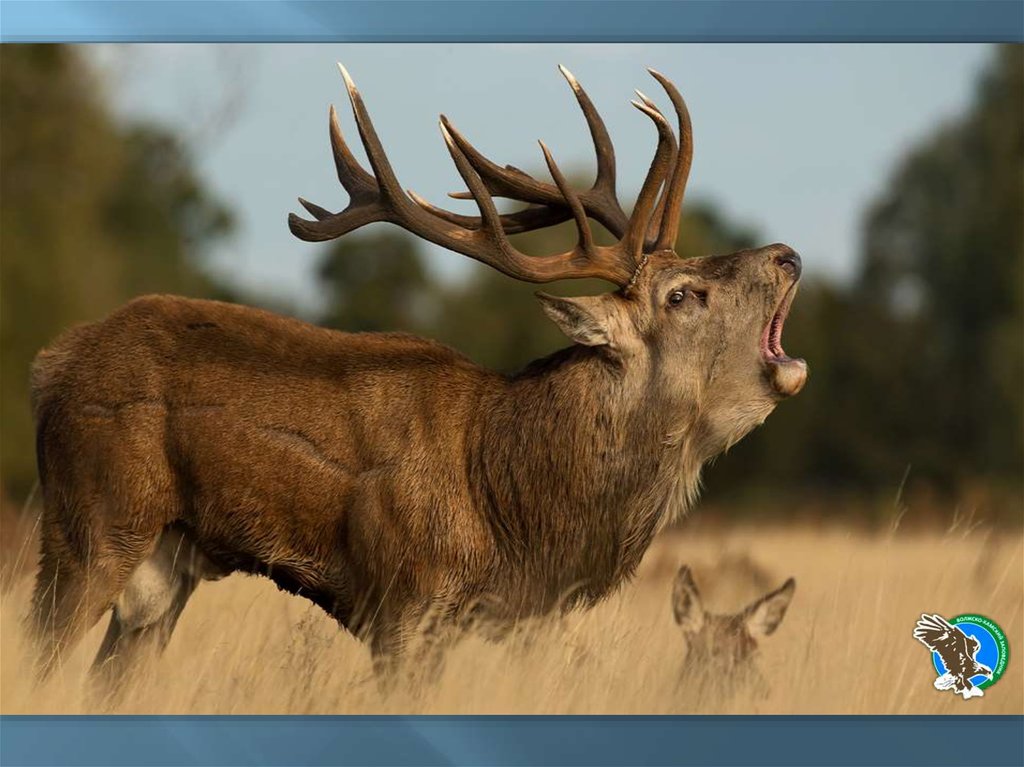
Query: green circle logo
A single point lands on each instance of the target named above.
(994, 647)
(969, 652)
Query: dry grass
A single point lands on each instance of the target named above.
(845, 646)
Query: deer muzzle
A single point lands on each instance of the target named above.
(786, 374)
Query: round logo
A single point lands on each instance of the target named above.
(994, 652)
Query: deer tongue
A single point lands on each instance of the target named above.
(787, 375)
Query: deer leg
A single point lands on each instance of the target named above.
(130, 639)
(412, 651)
(147, 611)
(387, 647)
(438, 632)
(73, 591)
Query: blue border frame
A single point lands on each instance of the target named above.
(762, 740)
(512, 21)
(113, 741)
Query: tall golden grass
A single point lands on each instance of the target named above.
(845, 646)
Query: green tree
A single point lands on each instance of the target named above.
(375, 282)
(919, 364)
(943, 279)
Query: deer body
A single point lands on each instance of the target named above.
(359, 447)
(386, 477)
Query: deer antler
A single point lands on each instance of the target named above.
(600, 200)
(379, 197)
(672, 199)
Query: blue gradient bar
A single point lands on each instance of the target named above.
(512, 21)
(113, 741)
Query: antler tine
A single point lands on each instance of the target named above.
(673, 197)
(386, 181)
(366, 196)
(600, 201)
(586, 237)
(508, 182)
(490, 219)
(356, 181)
(512, 169)
(582, 261)
(603, 190)
(315, 210)
(647, 100)
(500, 181)
(526, 220)
(647, 199)
(654, 223)
(359, 184)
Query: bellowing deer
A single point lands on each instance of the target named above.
(721, 650)
(383, 476)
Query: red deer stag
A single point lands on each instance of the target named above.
(387, 477)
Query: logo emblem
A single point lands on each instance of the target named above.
(969, 652)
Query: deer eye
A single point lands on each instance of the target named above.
(677, 297)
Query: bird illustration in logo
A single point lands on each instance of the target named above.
(957, 652)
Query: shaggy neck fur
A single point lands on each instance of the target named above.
(579, 465)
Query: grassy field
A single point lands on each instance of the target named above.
(845, 646)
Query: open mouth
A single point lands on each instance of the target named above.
(771, 339)
(786, 374)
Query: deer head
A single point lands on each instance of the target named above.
(701, 337)
(722, 649)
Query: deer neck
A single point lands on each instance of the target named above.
(580, 466)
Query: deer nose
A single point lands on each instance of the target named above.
(789, 262)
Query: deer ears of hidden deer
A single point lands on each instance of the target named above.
(761, 617)
(686, 604)
(764, 615)
(587, 320)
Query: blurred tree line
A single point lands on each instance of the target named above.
(917, 365)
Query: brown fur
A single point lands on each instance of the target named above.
(383, 476)
(721, 654)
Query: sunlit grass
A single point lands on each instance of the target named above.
(845, 645)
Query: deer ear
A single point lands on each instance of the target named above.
(584, 319)
(765, 615)
(686, 604)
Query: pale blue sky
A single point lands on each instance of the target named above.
(792, 139)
